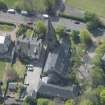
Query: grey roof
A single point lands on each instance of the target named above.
(29, 48)
(51, 39)
(6, 48)
(51, 91)
(58, 60)
(12, 86)
(51, 61)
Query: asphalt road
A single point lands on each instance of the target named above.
(19, 19)
(14, 18)
(67, 23)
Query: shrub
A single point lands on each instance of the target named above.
(72, 17)
(85, 37)
(3, 6)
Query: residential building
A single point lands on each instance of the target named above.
(29, 50)
(6, 48)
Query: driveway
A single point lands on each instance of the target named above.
(32, 80)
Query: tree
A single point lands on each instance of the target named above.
(97, 60)
(75, 36)
(31, 5)
(29, 101)
(86, 102)
(100, 50)
(18, 6)
(42, 101)
(3, 6)
(93, 22)
(60, 31)
(85, 37)
(69, 102)
(102, 96)
(98, 76)
(21, 31)
(40, 28)
(89, 16)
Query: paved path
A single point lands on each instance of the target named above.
(33, 79)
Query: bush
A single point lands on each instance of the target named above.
(5, 23)
(72, 17)
(85, 37)
(3, 6)
(93, 22)
(98, 76)
(75, 36)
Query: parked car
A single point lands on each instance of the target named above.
(45, 16)
(77, 22)
(12, 11)
(25, 13)
(29, 67)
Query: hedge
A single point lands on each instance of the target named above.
(6, 23)
(72, 17)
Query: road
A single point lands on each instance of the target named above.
(14, 18)
(19, 19)
(69, 24)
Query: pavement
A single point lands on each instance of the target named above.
(32, 80)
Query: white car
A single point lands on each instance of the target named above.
(11, 11)
(24, 12)
(46, 16)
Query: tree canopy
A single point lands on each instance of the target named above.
(69, 102)
(85, 37)
(40, 28)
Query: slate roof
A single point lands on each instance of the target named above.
(12, 86)
(29, 48)
(51, 39)
(53, 91)
(58, 60)
(6, 49)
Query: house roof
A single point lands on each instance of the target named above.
(49, 90)
(29, 48)
(58, 60)
(51, 61)
(12, 86)
(6, 47)
(2, 39)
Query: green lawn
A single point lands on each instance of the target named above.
(96, 6)
(19, 68)
(6, 28)
(10, 3)
(2, 69)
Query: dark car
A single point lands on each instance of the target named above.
(77, 22)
